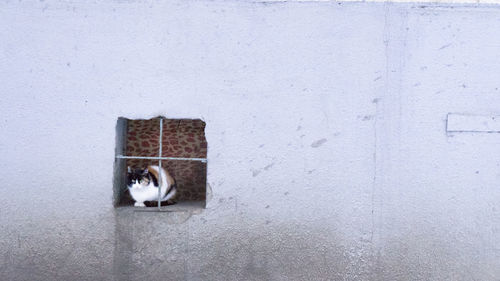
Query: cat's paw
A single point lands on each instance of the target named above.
(139, 204)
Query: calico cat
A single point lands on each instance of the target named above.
(143, 185)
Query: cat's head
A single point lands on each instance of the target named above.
(138, 178)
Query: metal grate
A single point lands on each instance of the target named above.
(160, 158)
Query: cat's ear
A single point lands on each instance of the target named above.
(129, 170)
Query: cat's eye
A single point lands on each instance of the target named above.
(179, 145)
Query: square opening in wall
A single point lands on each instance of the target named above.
(160, 162)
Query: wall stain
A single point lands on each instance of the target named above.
(255, 173)
(268, 166)
(318, 143)
(366, 117)
(445, 46)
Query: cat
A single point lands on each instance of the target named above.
(143, 185)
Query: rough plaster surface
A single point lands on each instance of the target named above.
(328, 155)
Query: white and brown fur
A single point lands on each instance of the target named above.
(143, 185)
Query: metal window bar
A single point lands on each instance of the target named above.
(159, 164)
(160, 158)
(204, 160)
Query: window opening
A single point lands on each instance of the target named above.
(178, 145)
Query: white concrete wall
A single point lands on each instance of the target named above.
(326, 123)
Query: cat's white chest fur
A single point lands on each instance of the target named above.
(142, 193)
